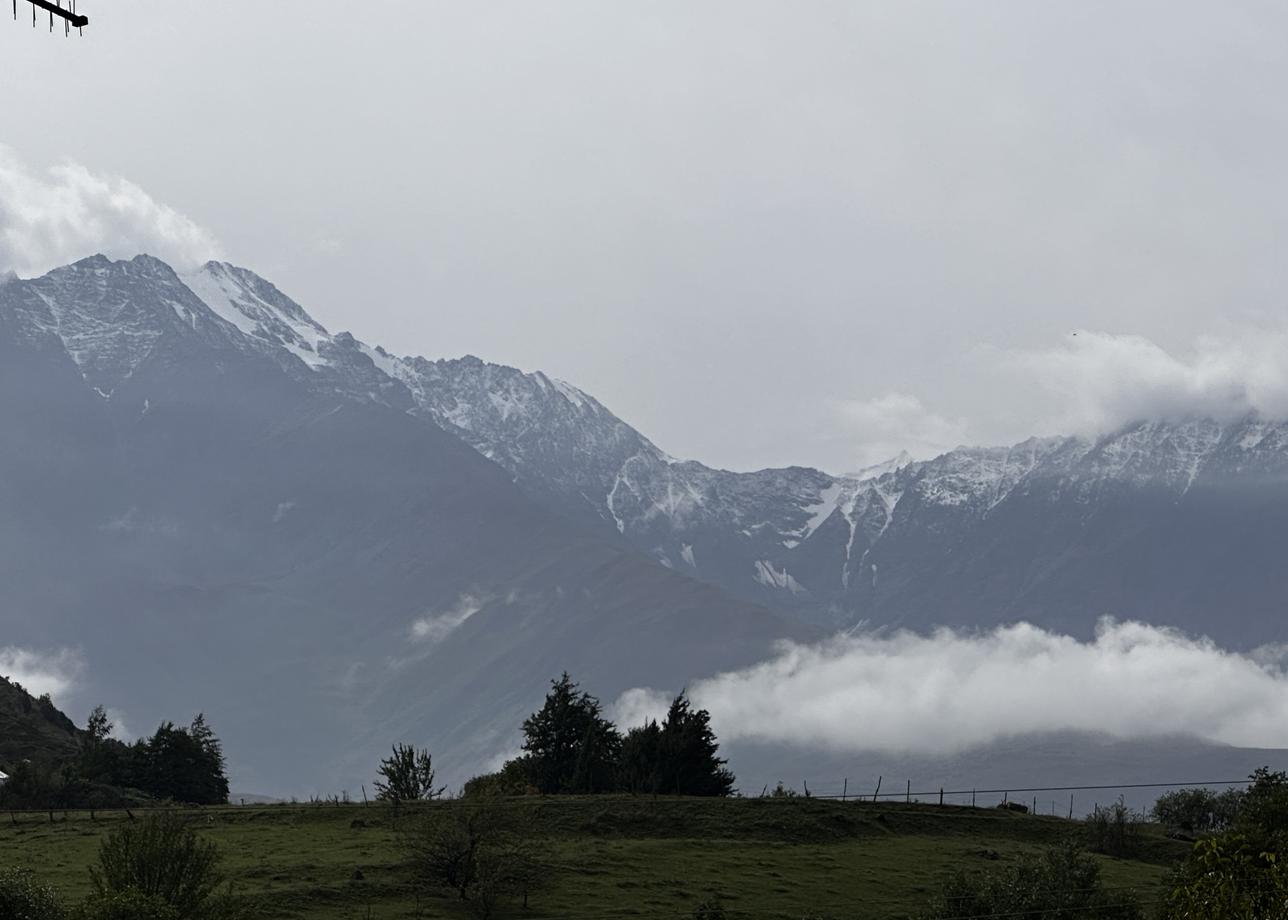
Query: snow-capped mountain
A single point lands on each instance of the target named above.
(222, 507)
(907, 542)
(194, 472)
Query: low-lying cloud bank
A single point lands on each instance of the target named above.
(55, 673)
(68, 212)
(950, 691)
(1096, 381)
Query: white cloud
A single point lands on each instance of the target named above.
(69, 212)
(885, 425)
(1095, 382)
(435, 627)
(55, 673)
(949, 691)
(121, 730)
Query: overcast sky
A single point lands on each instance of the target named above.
(763, 233)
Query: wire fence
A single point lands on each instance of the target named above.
(979, 798)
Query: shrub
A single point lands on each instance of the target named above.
(1228, 878)
(482, 851)
(1113, 830)
(511, 779)
(126, 905)
(1198, 811)
(1264, 814)
(1063, 882)
(22, 898)
(161, 857)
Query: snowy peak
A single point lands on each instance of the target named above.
(109, 316)
(258, 309)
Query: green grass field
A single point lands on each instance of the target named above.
(768, 859)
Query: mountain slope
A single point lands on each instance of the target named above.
(1170, 522)
(32, 729)
(268, 534)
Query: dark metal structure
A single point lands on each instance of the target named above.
(71, 19)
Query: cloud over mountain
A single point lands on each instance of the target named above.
(1098, 381)
(952, 690)
(55, 673)
(68, 212)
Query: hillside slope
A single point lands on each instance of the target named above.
(217, 524)
(32, 729)
(1170, 521)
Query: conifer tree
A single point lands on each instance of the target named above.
(571, 747)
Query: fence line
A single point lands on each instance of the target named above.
(908, 795)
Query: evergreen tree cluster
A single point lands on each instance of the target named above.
(571, 748)
(177, 763)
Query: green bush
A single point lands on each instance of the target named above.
(1061, 883)
(126, 905)
(1113, 830)
(21, 898)
(1198, 811)
(1228, 878)
(162, 858)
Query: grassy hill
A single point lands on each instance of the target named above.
(769, 859)
(32, 729)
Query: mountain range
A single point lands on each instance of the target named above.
(206, 491)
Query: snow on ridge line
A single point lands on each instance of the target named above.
(230, 298)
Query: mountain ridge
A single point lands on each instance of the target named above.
(831, 550)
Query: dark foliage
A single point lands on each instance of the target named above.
(163, 859)
(177, 764)
(22, 898)
(1198, 811)
(126, 905)
(512, 779)
(1061, 883)
(1113, 830)
(487, 854)
(678, 757)
(1263, 817)
(1228, 878)
(408, 776)
(571, 747)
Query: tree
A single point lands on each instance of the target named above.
(641, 765)
(690, 762)
(1227, 878)
(571, 747)
(184, 764)
(1198, 811)
(99, 727)
(1263, 816)
(678, 757)
(408, 776)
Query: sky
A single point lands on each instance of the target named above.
(762, 233)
